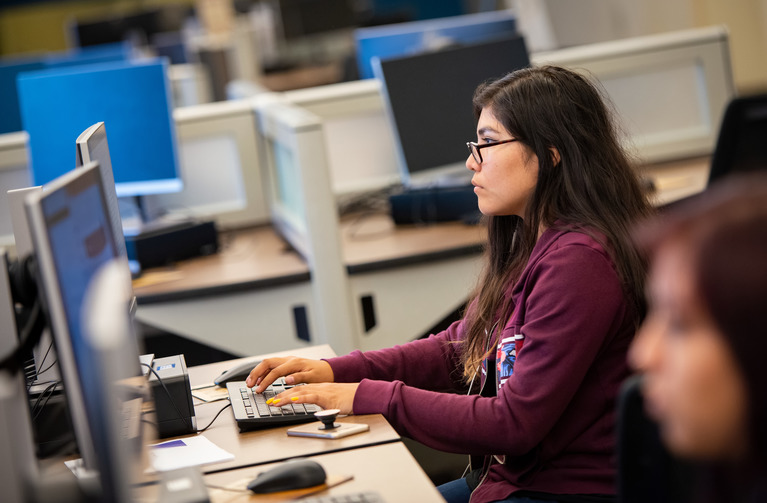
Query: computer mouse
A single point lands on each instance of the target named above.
(292, 474)
(239, 372)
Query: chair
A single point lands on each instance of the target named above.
(646, 470)
(740, 146)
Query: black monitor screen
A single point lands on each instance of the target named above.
(429, 99)
(307, 17)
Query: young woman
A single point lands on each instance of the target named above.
(546, 333)
(702, 347)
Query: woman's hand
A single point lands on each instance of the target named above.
(294, 370)
(327, 395)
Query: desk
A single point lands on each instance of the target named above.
(388, 469)
(376, 459)
(273, 444)
(676, 180)
(242, 300)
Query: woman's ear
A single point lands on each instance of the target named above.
(555, 158)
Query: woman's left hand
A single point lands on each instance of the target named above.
(326, 395)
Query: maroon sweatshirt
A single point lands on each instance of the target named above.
(551, 425)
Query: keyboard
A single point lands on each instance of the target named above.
(251, 412)
(363, 497)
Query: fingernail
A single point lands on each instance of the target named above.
(277, 400)
(269, 402)
(294, 398)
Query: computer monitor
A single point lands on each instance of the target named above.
(409, 10)
(429, 103)
(92, 145)
(741, 142)
(112, 382)
(300, 18)
(406, 39)
(11, 68)
(132, 99)
(73, 238)
(10, 118)
(137, 26)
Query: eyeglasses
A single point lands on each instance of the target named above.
(475, 148)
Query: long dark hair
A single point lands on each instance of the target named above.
(592, 188)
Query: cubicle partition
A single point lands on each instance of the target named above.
(359, 143)
(303, 211)
(219, 162)
(669, 90)
(14, 174)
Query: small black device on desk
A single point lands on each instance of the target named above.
(239, 372)
(292, 474)
(251, 411)
(172, 396)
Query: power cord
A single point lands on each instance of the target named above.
(215, 417)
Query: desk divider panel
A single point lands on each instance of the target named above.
(220, 166)
(669, 90)
(14, 174)
(304, 212)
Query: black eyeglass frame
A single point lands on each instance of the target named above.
(475, 148)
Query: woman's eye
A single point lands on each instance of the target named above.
(488, 140)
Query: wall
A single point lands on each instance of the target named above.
(41, 26)
(584, 21)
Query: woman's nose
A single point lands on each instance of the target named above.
(472, 164)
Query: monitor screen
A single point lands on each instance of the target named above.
(407, 39)
(10, 117)
(73, 238)
(307, 17)
(132, 99)
(429, 102)
(92, 145)
(113, 389)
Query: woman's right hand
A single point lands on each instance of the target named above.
(294, 370)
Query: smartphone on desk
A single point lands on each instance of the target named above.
(317, 430)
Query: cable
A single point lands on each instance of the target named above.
(215, 417)
(231, 489)
(50, 390)
(49, 367)
(29, 336)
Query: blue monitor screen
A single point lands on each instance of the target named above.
(405, 39)
(133, 101)
(10, 118)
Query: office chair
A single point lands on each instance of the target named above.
(741, 144)
(646, 470)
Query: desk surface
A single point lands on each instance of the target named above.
(388, 469)
(249, 258)
(259, 258)
(273, 444)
